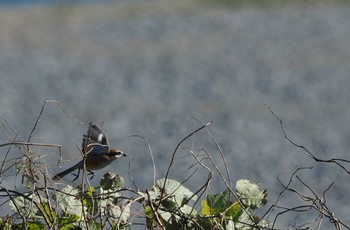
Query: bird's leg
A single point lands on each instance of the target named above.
(91, 173)
(76, 175)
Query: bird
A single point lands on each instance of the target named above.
(97, 153)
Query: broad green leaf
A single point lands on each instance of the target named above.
(5, 223)
(218, 202)
(204, 222)
(93, 226)
(165, 215)
(91, 191)
(150, 222)
(206, 210)
(188, 210)
(153, 194)
(110, 184)
(26, 206)
(148, 212)
(117, 212)
(173, 220)
(244, 222)
(69, 203)
(68, 222)
(67, 227)
(234, 211)
(32, 226)
(250, 194)
(111, 181)
(230, 225)
(47, 212)
(176, 190)
(107, 197)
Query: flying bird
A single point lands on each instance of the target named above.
(97, 153)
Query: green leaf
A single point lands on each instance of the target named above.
(111, 181)
(47, 212)
(90, 201)
(165, 215)
(107, 198)
(244, 222)
(179, 193)
(148, 212)
(91, 191)
(250, 194)
(204, 222)
(31, 225)
(26, 206)
(230, 225)
(150, 222)
(94, 226)
(188, 210)
(68, 222)
(69, 203)
(5, 223)
(218, 202)
(234, 211)
(206, 210)
(117, 212)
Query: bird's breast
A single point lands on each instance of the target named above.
(97, 162)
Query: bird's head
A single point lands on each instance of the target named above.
(115, 153)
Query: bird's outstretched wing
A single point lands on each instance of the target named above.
(94, 138)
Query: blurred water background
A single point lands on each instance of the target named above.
(156, 68)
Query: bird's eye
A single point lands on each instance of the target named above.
(116, 153)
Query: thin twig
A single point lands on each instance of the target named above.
(308, 153)
(173, 158)
(221, 154)
(151, 154)
(30, 144)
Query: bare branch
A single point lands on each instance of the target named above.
(151, 154)
(337, 161)
(173, 157)
(30, 144)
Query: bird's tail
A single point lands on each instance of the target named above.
(67, 171)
